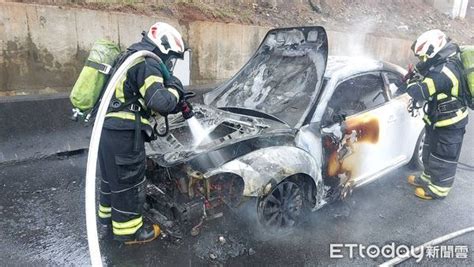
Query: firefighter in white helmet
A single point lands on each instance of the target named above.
(438, 83)
(147, 87)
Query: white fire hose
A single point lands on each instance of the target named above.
(434, 242)
(92, 237)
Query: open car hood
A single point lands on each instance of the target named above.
(282, 78)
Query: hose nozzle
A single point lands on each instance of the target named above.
(186, 110)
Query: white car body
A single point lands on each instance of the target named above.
(293, 120)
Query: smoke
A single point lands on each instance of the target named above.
(356, 42)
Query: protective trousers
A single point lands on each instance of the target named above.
(122, 185)
(440, 159)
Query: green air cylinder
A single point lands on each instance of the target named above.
(94, 75)
(467, 58)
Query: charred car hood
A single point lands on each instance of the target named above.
(283, 78)
(220, 129)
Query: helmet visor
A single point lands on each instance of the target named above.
(173, 58)
(171, 63)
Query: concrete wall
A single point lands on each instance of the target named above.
(219, 49)
(42, 48)
(45, 46)
(453, 8)
(470, 10)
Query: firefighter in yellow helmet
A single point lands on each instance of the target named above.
(147, 87)
(438, 84)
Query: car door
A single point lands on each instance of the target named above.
(408, 124)
(357, 130)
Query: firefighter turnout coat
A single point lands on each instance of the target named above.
(446, 116)
(122, 154)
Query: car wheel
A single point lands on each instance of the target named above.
(282, 208)
(416, 162)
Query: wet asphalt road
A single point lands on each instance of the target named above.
(43, 222)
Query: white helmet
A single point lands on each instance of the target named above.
(167, 39)
(429, 44)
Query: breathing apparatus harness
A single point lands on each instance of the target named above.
(435, 108)
(135, 106)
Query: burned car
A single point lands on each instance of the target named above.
(293, 129)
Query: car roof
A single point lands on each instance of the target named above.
(342, 66)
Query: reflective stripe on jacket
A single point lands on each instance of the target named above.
(144, 78)
(441, 88)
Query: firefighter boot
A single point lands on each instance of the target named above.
(414, 180)
(423, 193)
(145, 234)
(418, 181)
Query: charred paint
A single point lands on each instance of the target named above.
(360, 129)
(367, 128)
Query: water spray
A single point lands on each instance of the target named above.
(196, 128)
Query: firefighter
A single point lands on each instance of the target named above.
(147, 87)
(439, 85)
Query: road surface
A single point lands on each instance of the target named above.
(43, 222)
